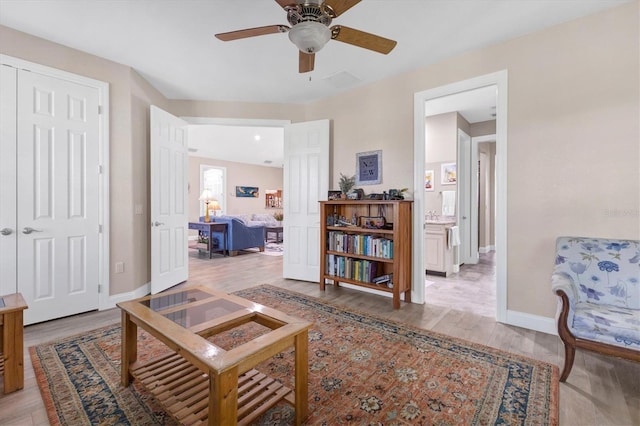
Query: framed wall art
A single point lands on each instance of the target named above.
(247, 191)
(429, 179)
(448, 175)
(369, 168)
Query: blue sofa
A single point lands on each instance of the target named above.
(240, 235)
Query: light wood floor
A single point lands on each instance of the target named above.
(600, 390)
(473, 289)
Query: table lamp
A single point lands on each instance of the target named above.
(214, 206)
(207, 197)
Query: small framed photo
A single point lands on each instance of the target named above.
(369, 168)
(429, 179)
(448, 175)
(334, 195)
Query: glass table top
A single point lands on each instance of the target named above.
(192, 315)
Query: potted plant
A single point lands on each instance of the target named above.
(346, 184)
(279, 216)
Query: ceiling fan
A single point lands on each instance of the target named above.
(310, 31)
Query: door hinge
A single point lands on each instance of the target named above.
(99, 109)
(100, 229)
(100, 169)
(99, 288)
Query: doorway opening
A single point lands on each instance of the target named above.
(449, 136)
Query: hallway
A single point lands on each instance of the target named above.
(473, 289)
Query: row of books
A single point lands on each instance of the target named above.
(366, 245)
(354, 269)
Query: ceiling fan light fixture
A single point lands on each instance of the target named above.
(310, 36)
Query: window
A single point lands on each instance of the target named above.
(214, 179)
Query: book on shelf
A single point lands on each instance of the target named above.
(366, 245)
(353, 269)
(382, 278)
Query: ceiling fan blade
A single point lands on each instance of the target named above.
(306, 62)
(284, 3)
(252, 32)
(338, 7)
(362, 39)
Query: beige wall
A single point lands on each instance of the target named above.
(482, 128)
(573, 152)
(238, 174)
(442, 140)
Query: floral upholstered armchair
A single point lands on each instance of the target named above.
(598, 282)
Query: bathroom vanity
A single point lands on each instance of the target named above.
(437, 248)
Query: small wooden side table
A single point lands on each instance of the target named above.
(12, 341)
(208, 228)
(274, 230)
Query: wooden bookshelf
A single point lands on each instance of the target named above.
(356, 254)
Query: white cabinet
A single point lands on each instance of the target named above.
(438, 253)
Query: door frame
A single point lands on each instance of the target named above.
(103, 142)
(500, 80)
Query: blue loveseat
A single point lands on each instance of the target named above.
(598, 284)
(240, 234)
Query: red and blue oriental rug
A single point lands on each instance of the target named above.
(362, 370)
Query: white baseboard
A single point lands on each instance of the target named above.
(532, 322)
(143, 290)
(486, 249)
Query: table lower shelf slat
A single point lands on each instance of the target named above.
(183, 390)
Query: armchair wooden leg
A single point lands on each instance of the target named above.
(569, 356)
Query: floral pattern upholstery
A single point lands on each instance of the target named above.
(601, 278)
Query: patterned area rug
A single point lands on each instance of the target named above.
(362, 370)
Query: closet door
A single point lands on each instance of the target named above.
(50, 190)
(8, 137)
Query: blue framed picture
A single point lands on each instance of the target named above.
(247, 191)
(369, 168)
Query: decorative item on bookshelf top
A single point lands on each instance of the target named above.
(346, 183)
(376, 222)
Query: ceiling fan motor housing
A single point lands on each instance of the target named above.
(306, 12)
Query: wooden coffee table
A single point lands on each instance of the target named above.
(200, 383)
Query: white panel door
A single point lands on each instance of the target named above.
(467, 201)
(306, 182)
(57, 204)
(8, 212)
(169, 218)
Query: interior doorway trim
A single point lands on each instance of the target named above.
(102, 87)
(499, 79)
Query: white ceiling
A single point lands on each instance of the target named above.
(242, 144)
(171, 43)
